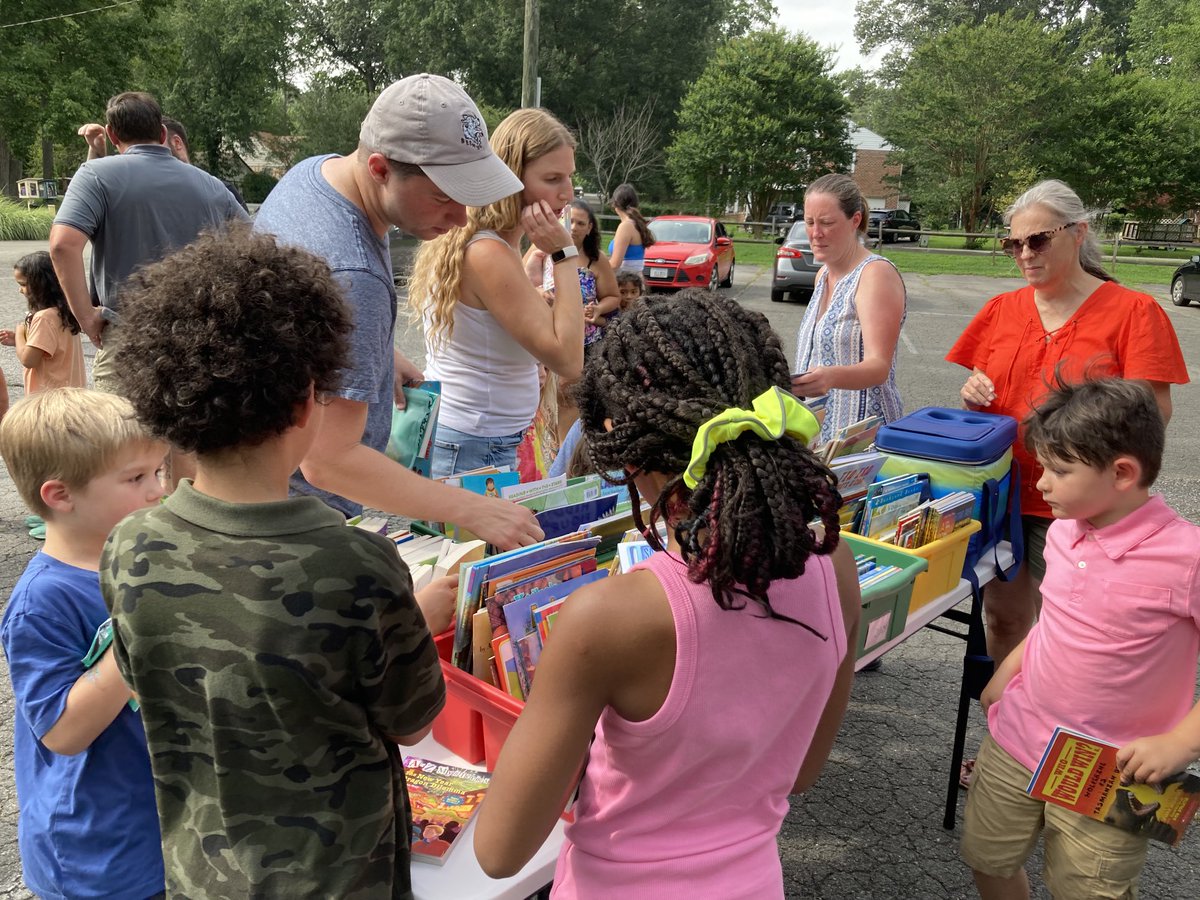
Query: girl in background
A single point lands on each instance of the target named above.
(47, 341)
(714, 675)
(627, 249)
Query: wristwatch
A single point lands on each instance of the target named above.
(565, 253)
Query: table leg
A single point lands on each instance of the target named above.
(977, 671)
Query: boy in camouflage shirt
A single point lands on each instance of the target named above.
(279, 655)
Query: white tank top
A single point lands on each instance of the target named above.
(489, 381)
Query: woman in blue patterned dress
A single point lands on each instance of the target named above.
(846, 346)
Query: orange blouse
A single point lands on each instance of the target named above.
(1115, 331)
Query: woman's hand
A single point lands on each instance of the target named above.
(978, 391)
(544, 228)
(813, 383)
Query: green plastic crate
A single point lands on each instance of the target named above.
(885, 603)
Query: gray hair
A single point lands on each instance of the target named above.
(1057, 197)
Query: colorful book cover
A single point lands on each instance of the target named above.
(1080, 773)
(855, 473)
(443, 799)
(490, 485)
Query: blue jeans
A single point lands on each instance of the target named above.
(454, 451)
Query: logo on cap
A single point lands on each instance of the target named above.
(472, 131)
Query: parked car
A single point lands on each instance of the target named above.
(1185, 283)
(688, 251)
(782, 215)
(795, 269)
(896, 224)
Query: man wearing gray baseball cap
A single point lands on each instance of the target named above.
(423, 157)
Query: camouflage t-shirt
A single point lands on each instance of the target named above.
(273, 648)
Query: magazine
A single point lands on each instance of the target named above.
(1080, 773)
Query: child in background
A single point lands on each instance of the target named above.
(278, 654)
(48, 343)
(713, 676)
(1113, 654)
(632, 288)
(88, 826)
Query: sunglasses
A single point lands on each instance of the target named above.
(1037, 243)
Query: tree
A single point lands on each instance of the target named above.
(975, 109)
(327, 117)
(763, 119)
(218, 67)
(349, 33)
(620, 146)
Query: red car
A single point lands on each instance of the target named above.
(688, 251)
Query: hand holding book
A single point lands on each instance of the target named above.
(1153, 759)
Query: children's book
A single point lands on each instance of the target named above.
(531, 489)
(443, 799)
(490, 485)
(454, 554)
(851, 439)
(411, 437)
(565, 519)
(856, 472)
(633, 552)
(1080, 773)
(887, 501)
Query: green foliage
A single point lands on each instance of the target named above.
(763, 120)
(969, 135)
(327, 117)
(256, 185)
(20, 224)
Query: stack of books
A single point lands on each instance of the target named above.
(886, 501)
(870, 571)
(933, 520)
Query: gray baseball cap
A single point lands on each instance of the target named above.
(429, 121)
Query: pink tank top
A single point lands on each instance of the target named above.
(688, 803)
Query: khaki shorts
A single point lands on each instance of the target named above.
(1083, 858)
(104, 369)
(1034, 530)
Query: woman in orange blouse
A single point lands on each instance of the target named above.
(1071, 317)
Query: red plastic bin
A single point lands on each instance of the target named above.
(477, 717)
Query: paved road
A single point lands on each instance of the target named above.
(871, 828)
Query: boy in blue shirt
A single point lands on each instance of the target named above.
(88, 827)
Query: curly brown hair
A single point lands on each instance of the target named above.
(663, 369)
(222, 340)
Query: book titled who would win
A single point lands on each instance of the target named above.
(1080, 773)
(443, 799)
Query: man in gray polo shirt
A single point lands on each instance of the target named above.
(135, 208)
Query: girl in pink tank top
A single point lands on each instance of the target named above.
(701, 689)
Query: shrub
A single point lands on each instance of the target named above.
(20, 224)
(256, 186)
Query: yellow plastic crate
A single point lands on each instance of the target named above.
(945, 557)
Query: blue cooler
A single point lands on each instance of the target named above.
(962, 451)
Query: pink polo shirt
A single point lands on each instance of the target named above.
(1114, 652)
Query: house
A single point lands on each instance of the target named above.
(873, 171)
(265, 154)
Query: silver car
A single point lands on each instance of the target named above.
(795, 268)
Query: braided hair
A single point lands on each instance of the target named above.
(664, 368)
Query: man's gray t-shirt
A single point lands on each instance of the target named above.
(304, 211)
(139, 206)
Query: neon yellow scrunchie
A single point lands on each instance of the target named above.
(776, 413)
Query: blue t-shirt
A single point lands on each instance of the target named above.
(88, 826)
(304, 210)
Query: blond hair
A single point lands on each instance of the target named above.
(524, 136)
(67, 434)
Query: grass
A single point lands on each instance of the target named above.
(921, 263)
(20, 224)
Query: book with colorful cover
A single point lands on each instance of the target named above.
(489, 485)
(443, 800)
(887, 501)
(856, 437)
(1080, 773)
(856, 472)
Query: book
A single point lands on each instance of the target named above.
(856, 472)
(849, 439)
(489, 485)
(443, 799)
(887, 501)
(453, 554)
(411, 438)
(1080, 773)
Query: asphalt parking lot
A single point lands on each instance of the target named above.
(872, 827)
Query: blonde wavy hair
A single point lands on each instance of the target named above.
(433, 289)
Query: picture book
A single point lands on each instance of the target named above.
(887, 501)
(1080, 773)
(532, 489)
(571, 491)
(411, 438)
(544, 615)
(521, 592)
(443, 800)
(565, 519)
(856, 472)
(489, 485)
(853, 438)
(631, 553)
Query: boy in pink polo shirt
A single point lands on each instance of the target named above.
(1113, 654)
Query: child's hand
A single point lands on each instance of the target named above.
(436, 600)
(8, 337)
(1152, 759)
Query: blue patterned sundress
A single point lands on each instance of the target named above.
(835, 339)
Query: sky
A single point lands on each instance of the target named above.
(827, 22)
